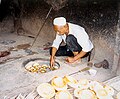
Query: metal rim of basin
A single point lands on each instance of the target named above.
(37, 59)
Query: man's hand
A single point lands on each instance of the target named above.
(52, 62)
(52, 58)
(76, 57)
(70, 59)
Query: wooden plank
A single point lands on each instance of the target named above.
(32, 95)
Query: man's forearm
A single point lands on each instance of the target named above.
(80, 55)
(53, 52)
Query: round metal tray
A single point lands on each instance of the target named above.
(40, 61)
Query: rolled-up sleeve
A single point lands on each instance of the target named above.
(57, 41)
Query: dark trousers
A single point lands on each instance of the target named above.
(70, 47)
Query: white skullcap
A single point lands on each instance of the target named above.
(59, 21)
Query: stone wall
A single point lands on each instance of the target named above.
(117, 47)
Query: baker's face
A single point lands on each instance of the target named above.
(61, 30)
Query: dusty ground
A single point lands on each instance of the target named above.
(14, 79)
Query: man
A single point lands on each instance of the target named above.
(76, 40)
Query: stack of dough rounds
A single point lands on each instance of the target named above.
(72, 82)
(109, 89)
(94, 85)
(103, 94)
(58, 83)
(63, 95)
(82, 89)
(45, 66)
(84, 94)
(83, 84)
(32, 66)
(46, 90)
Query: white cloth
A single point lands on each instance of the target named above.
(79, 33)
(59, 21)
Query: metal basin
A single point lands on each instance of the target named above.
(39, 65)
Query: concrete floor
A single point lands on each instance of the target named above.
(14, 79)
